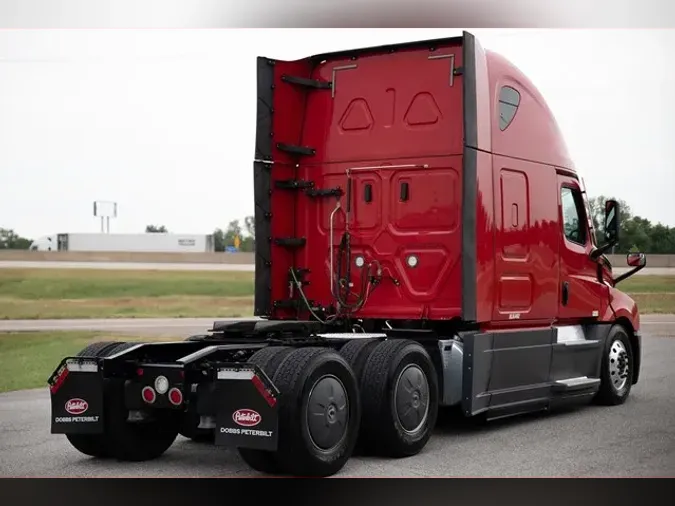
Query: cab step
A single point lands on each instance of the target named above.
(574, 384)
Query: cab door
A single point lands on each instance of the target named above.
(581, 294)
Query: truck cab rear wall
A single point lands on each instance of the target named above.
(399, 106)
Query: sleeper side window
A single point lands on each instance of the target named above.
(509, 100)
(572, 215)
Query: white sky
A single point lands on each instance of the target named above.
(163, 121)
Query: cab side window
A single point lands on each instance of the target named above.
(573, 216)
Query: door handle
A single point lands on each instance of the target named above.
(565, 293)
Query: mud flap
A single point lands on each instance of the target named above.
(246, 403)
(76, 389)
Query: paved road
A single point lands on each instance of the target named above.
(653, 271)
(636, 439)
(5, 264)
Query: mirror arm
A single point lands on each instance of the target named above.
(598, 252)
(628, 274)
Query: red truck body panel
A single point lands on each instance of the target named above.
(436, 172)
(400, 108)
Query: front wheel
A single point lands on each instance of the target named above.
(616, 375)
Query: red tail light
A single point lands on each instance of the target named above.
(149, 395)
(175, 397)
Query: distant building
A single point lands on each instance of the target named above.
(145, 243)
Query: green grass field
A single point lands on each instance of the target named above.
(28, 358)
(70, 293)
(653, 294)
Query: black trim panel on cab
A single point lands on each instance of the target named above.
(262, 187)
(469, 180)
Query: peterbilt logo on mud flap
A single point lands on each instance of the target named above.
(76, 406)
(246, 417)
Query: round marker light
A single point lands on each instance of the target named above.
(175, 397)
(148, 395)
(161, 385)
(412, 261)
(360, 261)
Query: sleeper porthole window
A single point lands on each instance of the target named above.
(509, 100)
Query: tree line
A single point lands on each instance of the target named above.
(636, 234)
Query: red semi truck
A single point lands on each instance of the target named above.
(423, 240)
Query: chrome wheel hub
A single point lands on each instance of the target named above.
(619, 366)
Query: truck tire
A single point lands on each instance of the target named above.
(319, 412)
(616, 373)
(356, 353)
(120, 439)
(93, 445)
(268, 359)
(121, 347)
(136, 442)
(399, 391)
(98, 349)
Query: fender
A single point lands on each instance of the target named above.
(626, 314)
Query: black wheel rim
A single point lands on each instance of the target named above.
(327, 412)
(411, 398)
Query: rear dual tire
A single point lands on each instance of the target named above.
(93, 445)
(268, 359)
(319, 412)
(123, 440)
(399, 393)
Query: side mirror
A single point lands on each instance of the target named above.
(611, 224)
(636, 259)
(610, 228)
